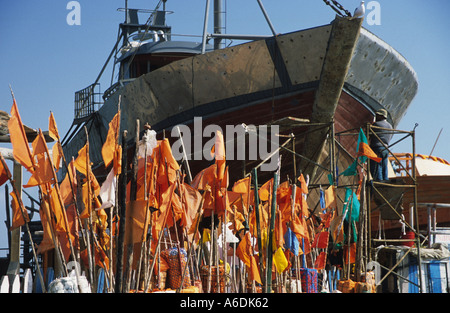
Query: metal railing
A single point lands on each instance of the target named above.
(87, 101)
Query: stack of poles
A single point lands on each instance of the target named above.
(121, 281)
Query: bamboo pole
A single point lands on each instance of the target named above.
(271, 231)
(56, 242)
(199, 214)
(361, 230)
(157, 248)
(133, 190)
(122, 207)
(61, 152)
(56, 186)
(258, 226)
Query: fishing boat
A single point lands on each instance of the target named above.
(301, 81)
(294, 94)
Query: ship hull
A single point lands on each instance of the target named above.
(338, 74)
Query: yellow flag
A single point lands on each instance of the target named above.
(280, 261)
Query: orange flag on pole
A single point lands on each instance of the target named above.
(52, 129)
(242, 185)
(47, 240)
(43, 172)
(244, 252)
(16, 205)
(365, 150)
(19, 141)
(111, 146)
(81, 160)
(4, 171)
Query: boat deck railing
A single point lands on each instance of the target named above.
(87, 101)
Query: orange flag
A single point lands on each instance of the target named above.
(56, 155)
(242, 185)
(330, 198)
(16, 205)
(80, 161)
(321, 240)
(191, 199)
(204, 178)
(19, 141)
(266, 190)
(219, 154)
(43, 172)
(299, 227)
(165, 207)
(352, 253)
(244, 252)
(110, 146)
(137, 220)
(320, 262)
(47, 240)
(65, 188)
(303, 185)
(52, 129)
(365, 150)
(55, 207)
(4, 171)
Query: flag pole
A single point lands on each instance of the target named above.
(271, 230)
(62, 208)
(122, 206)
(61, 152)
(90, 244)
(258, 226)
(57, 245)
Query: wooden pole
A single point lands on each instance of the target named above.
(122, 207)
(271, 231)
(361, 232)
(158, 244)
(199, 214)
(133, 190)
(258, 226)
(61, 203)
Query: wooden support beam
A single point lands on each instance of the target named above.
(342, 42)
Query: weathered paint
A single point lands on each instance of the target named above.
(237, 82)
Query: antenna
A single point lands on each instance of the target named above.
(431, 153)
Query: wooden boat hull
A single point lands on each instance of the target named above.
(338, 73)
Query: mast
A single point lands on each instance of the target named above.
(218, 23)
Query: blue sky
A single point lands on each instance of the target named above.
(45, 60)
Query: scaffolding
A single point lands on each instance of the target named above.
(384, 198)
(381, 191)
